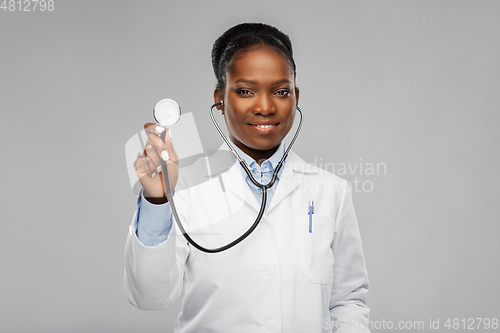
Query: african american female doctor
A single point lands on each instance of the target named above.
(281, 278)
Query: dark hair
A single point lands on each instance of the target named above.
(240, 38)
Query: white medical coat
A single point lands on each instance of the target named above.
(280, 279)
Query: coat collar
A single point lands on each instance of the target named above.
(289, 181)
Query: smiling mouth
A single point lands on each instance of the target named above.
(265, 126)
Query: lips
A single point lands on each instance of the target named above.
(264, 125)
(264, 128)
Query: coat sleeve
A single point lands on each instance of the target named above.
(154, 274)
(348, 309)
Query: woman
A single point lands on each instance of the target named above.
(282, 278)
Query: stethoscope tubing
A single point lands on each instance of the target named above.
(264, 187)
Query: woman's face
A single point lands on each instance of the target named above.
(259, 101)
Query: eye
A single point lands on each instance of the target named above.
(283, 92)
(244, 92)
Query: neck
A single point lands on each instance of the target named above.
(258, 155)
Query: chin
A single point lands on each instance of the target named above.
(267, 146)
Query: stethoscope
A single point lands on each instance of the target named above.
(166, 113)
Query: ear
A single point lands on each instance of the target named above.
(218, 98)
(296, 96)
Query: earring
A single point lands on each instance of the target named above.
(220, 110)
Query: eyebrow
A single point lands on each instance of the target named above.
(273, 83)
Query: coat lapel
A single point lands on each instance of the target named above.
(234, 182)
(289, 181)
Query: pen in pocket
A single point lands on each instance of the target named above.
(310, 213)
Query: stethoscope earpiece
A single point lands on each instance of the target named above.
(221, 107)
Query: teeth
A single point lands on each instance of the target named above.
(264, 126)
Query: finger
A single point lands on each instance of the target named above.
(140, 155)
(159, 145)
(154, 128)
(151, 167)
(140, 164)
(141, 168)
(170, 147)
(170, 155)
(149, 125)
(164, 149)
(153, 155)
(144, 166)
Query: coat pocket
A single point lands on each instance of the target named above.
(315, 253)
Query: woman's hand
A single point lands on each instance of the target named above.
(148, 164)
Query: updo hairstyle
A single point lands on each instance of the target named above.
(240, 38)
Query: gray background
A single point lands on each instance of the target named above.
(412, 84)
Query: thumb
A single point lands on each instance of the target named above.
(147, 125)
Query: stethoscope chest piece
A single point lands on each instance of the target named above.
(166, 112)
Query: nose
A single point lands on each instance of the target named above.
(264, 105)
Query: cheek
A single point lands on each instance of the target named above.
(233, 123)
(290, 119)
